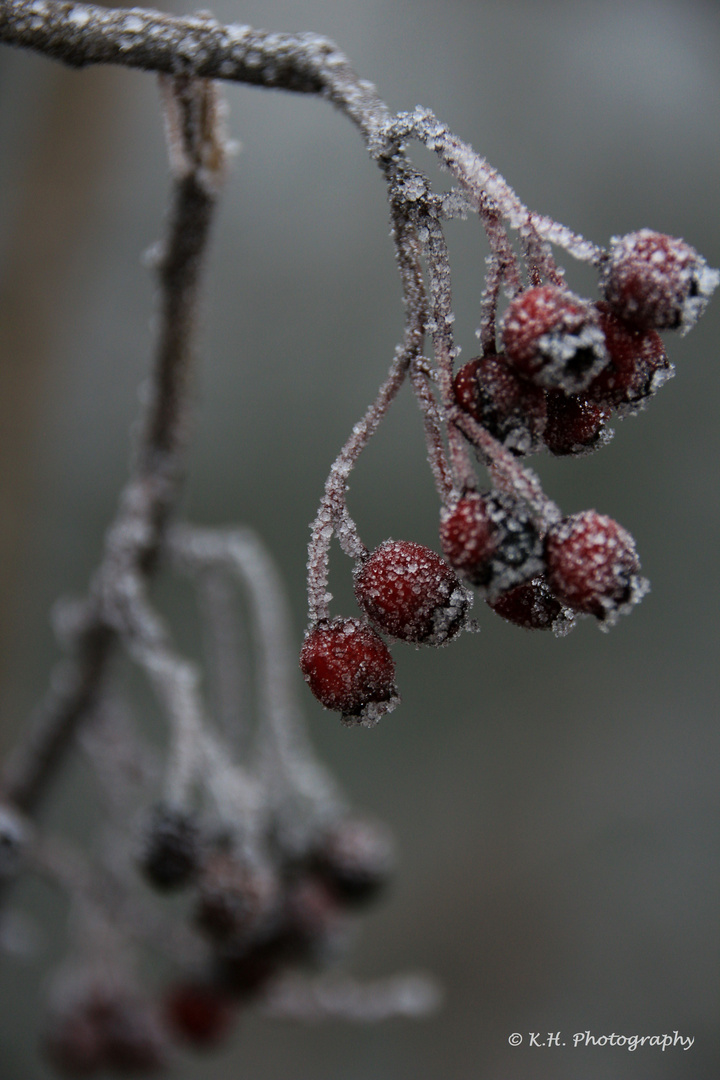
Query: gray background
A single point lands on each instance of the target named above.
(555, 802)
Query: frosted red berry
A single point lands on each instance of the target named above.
(199, 1013)
(533, 607)
(349, 669)
(592, 565)
(554, 339)
(409, 592)
(469, 537)
(638, 365)
(575, 425)
(654, 281)
(510, 408)
(492, 541)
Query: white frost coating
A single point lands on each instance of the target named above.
(79, 17)
(576, 245)
(39, 7)
(236, 33)
(706, 282)
(131, 24)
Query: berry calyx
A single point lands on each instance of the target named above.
(593, 567)
(349, 669)
(491, 540)
(554, 339)
(654, 281)
(533, 607)
(574, 425)
(409, 592)
(510, 408)
(171, 848)
(638, 364)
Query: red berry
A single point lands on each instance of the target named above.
(592, 565)
(355, 858)
(554, 339)
(574, 424)
(638, 364)
(655, 281)
(408, 591)
(491, 541)
(98, 1023)
(199, 1013)
(510, 408)
(533, 607)
(348, 668)
(235, 900)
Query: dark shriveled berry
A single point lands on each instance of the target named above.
(654, 281)
(235, 901)
(409, 592)
(638, 365)
(510, 408)
(349, 669)
(593, 567)
(533, 607)
(554, 339)
(171, 852)
(491, 540)
(575, 425)
(355, 858)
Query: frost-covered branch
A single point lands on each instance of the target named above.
(195, 139)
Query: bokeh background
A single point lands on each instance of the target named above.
(555, 802)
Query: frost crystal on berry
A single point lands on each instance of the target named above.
(349, 669)
(554, 339)
(592, 565)
(409, 592)
(656, 281)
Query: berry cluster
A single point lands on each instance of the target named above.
(552, 371)
(259, 918)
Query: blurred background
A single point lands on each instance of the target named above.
(555, 802)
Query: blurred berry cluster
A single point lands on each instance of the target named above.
(256, 867)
